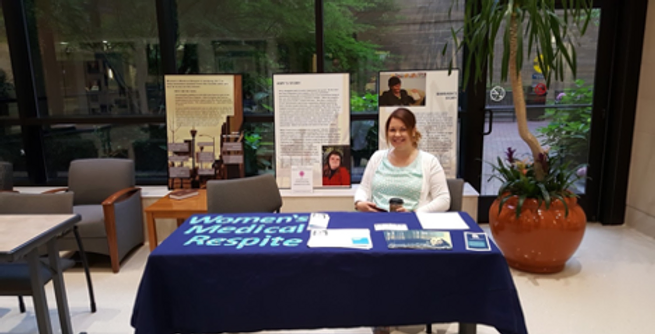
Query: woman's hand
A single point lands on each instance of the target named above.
(364, 206)
(402, 209)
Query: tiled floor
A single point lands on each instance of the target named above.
(607, 287)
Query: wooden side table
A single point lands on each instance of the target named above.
(171, 208)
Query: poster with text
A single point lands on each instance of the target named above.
(203, 113)
(312, 115)
(433, 98)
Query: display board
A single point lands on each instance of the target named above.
(203, 117)
(312, 127)
(433, 98)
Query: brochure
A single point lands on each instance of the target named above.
(359, 238)
(418, 239)
(476, 241)
(318, 221)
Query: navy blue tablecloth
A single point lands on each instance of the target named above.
(250, 272)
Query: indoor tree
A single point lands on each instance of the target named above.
(542, 224)
(543, 26)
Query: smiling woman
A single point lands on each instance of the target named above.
(403, 172)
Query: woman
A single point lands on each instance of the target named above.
(333, 173)
(403, 171)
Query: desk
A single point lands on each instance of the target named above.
(234, 285)
(21, 236)
(171, 208)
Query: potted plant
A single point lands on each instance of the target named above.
(535, 216)
(537, 223)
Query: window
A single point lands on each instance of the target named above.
(253, 38)
(95, 57)
(560, 117)
(373, 36)
(8, 105)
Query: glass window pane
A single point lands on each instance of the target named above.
(365, 37)
(363, 142)
(96, 57)
(11, 149)
(259, 148)
(145, 144)
(560, 116)
(8, 105)
(255, 38)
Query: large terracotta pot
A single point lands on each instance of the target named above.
(540, 240)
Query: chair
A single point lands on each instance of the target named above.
(251, 194)
(15, 277)
(110, 206)
(456, 189)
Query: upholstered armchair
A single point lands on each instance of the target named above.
(110, 207)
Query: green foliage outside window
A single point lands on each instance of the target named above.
(568, 132)
(363, 103)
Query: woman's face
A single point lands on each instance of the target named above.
(398, 135)
(334, 161)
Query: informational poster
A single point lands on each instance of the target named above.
(433, 98)
(203, 115)
(312, 127)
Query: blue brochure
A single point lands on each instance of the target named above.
(418, 239)
(476, 241)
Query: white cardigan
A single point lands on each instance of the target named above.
(435, 196)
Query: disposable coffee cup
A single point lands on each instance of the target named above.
(395, 204)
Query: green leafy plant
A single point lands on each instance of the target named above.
(519, 179)
(366, 103)
(568, 131)
(528, 27)
(253, 144)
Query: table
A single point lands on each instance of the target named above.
(166, 207)
(250, 272)
(20, 237)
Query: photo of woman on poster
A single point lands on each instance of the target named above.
(334, 171)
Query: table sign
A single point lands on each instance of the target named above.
(302, 180)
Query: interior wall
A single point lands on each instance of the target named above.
(640, 206)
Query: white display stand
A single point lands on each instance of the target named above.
(312, 119)
(435, 95)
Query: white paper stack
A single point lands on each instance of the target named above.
(390, 227)
(318, 221)
(359, 238)
(441, 221)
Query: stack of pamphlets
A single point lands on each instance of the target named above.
(318, 221)
(359, 238)
(418, 239)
